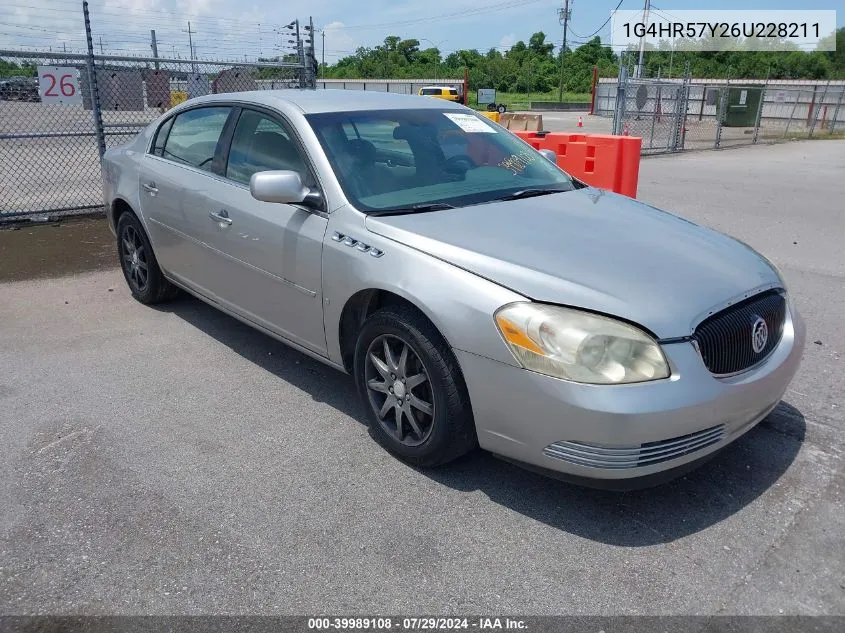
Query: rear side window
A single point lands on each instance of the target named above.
(193, 136)
(161, 137)
(430, 91)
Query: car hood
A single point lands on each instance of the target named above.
(592, 249)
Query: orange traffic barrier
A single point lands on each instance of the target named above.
(601, 160)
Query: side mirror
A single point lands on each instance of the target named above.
(278, 186)
(549, 155)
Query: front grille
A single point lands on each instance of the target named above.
(726, 339)
(597, 456)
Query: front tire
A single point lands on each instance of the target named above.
(139, 264)
(412, 388)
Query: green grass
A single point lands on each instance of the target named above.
(520, 100)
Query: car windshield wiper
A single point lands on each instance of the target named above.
(414, 208)
(530, 193)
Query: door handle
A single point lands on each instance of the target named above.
(151, 187)
(222, 217)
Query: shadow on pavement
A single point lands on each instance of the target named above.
(721, 487)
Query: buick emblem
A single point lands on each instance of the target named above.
(759, 335)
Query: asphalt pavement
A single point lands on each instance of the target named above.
(172, 461)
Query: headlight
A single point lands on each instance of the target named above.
(579, 346)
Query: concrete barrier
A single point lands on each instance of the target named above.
(521, 122)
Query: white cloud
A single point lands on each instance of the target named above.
(339, 42)
(222, 29)
(507, 41)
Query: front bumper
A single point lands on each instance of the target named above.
(622, 432)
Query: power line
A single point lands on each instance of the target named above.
(596, 32)
(564, 15)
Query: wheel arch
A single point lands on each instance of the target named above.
(364, 303)
(118, 207)
(121, 205)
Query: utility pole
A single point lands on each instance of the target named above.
(312, 55)
(672, 57)
(642, 39)
(299, 54)
(154, 45)
(324, 53)
(101, 45)
(563, 16)
(191, 47)
(529, 80)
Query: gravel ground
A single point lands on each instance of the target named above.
(173, 461)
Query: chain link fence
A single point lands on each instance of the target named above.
(675, 115)
(50, 152)
(653, 111)
(49, 159)
(59, 112)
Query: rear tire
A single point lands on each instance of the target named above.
(139, 264)
(417, 407)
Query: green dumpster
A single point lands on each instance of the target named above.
(742, 106)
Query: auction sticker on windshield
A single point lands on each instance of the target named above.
(469, 122)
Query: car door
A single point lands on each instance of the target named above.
(183, 158)
(268, 255)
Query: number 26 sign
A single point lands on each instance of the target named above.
(59, 85)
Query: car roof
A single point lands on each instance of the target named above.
(313, 101)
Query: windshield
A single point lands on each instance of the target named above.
(400, 159)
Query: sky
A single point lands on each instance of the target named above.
(226, 30)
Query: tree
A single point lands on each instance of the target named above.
(409, 49)
(538, 46)
(536, 66)
(11, 69)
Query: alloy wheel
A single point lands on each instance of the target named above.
(134, 256)
(399, 390)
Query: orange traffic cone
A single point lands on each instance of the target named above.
(580, 122)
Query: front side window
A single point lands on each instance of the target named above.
(261, 143)
(194, 135)
(405, 158)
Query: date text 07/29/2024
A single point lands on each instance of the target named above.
(414, 623)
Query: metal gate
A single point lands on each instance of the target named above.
(654, 111)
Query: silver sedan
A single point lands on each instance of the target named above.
(478, 295)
